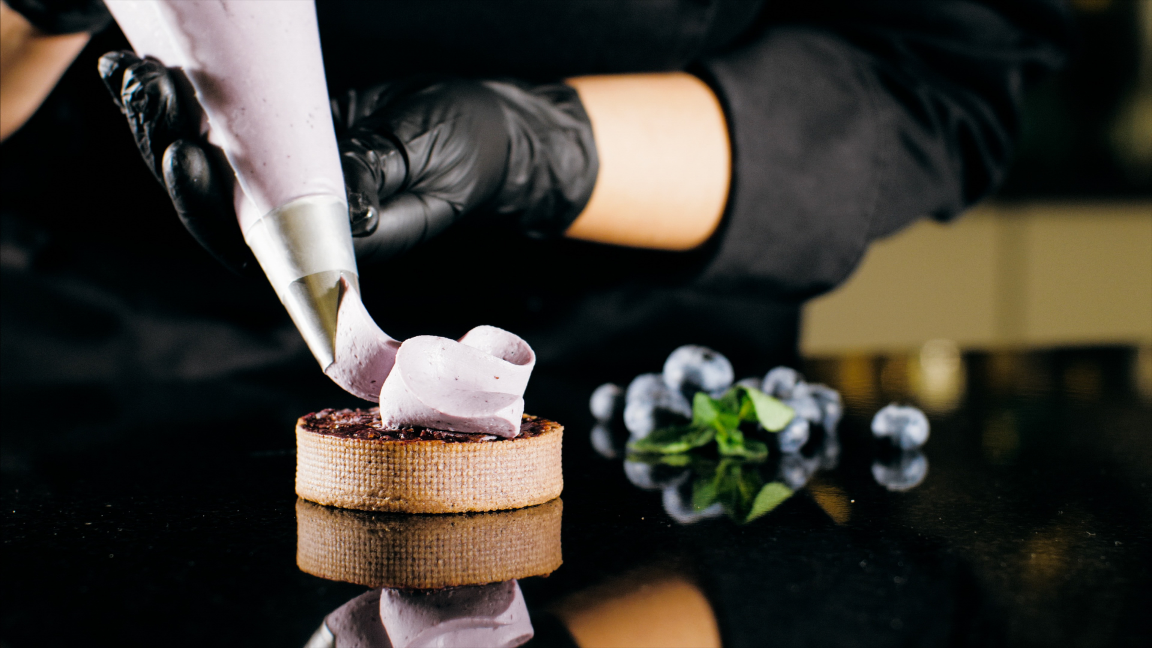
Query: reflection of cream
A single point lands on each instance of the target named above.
(487, 615)
(356, 624)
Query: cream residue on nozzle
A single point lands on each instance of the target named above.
(475, 384)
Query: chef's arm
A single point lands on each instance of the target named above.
(664, 161)
(31, 62)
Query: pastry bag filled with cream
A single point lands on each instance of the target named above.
(258, 73)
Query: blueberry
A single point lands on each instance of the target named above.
(830, 404)
(793, 437)
(905, 473)
(904, 425)
(604, 402)
(650, 404)
(654, 476)
(603, 441)
(751, 382)
(645, 387)
(678, 506)
(795, 470)
(692, 368)
(806, 408)
(780, 382)
(641, 417)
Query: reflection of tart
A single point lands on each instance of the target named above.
(427, 551)
(345, 458)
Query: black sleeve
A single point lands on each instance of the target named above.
(850, 118)
(63, 16)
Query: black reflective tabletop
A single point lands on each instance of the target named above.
(164, 514)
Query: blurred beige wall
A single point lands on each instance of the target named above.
(1003, 276)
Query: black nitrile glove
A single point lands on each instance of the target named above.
(418, 155)
(507, 151)
(165, 117)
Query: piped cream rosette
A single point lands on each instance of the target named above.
(474, 384)
(427, 551)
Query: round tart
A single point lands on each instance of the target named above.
(345, 458)
(427, 551)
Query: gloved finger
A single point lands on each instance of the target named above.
(360, 183)
(374, 170)
(201, 191)
(112, 67)
(405, 221)
(151, 100)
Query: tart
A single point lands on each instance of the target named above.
(345, 458)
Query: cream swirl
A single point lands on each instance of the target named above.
(475, 384)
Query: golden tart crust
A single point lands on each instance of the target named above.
(429, 475)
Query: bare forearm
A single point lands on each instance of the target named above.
(30, 65)
(665, 163)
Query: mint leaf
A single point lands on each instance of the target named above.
(705, 410)
(772, 414)
(673, 440)
(709, 411)
(770, 496)
(731, 400)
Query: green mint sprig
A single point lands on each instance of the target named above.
(719, 419)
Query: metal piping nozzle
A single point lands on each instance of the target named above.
(305, 247)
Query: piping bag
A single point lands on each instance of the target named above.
(259, 76)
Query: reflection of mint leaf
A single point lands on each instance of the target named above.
(772, 414)
(769, 497)
(746, 448)
(705, 490)
(737, 487)
(673, 440)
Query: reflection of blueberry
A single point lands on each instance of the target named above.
(831, 407)
(692, 368)
(780, 382)
(796, 469)
(603, 441)
(904, 473)
(794, 436)
(654, 476)
(829, 451)
(678, 505)
(904, 425)
(604, 401)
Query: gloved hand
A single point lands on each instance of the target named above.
(418, 155)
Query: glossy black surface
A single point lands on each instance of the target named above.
(164, 515)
